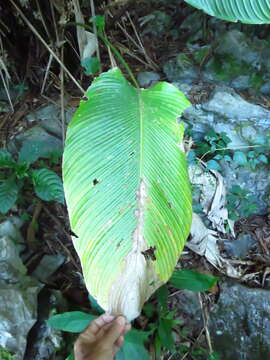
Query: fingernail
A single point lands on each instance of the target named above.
(121, 320)
(108, 317)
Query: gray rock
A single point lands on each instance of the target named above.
(18, 295)
(49, 118)
(47, 266)
(240, 247)
(240, 323)
(190, 309)
(36, 135)
(147, 78)
(45, 341)
(243, 122)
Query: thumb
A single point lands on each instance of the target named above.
(115, 331)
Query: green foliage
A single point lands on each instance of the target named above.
(240, 158)
(192, 280)
(77, 321)
(240, 202)
(246, 11)
(99, 20)
(16, 175)
(91, 65)
(133, 347)
(164, 322)
(5, 354)
(47, 185)
(73, 321)
(213, 144)
(214, 148)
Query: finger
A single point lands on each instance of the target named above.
(115, 330)
(95, 326)
(119, 342)
(127, 328)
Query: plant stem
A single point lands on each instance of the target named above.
(114, 50)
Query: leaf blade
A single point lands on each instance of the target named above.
(124, 204)
(192, 280)
(48, 185)
(73, 321)
(246, 11)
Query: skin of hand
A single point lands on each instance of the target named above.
(102, 339)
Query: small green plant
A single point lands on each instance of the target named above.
(18, 175)
(5, 354)
(240, 202)
(161, 325)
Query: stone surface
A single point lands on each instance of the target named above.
(243, 122)
(35, 134)
(147, 78)
(240, 323)
(239, 59)
(47, 266)
(49, 118)
(18, 294)
(43, 340)
(239, 247)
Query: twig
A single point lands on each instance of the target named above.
(46, 74)
(61, 229)
(42, 19)
(6, 89)
(47, 46)
(113, 49)
(63, 117)
(231, 148)
(205, 316)
(93, 12)
(150, 61)
(4, 68)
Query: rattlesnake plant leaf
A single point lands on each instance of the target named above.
(127, 189)
(246, 11)
(8, 195)
(47, 185)
(6, 159)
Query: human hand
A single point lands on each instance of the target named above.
(102, 339)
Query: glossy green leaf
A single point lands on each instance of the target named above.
(240, 158)
(73, 321)
(91, 65)
(133, 347)
(70, 357)
(165, 333)
(6, 159)
(246, 11)
(127, 189)
(8, 195)
(48, 185)
(192, 280)
(213, 165)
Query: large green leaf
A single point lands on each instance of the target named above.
(192, 280)
(127, 189)
(133, 347)
(246, 11)
(72, 321)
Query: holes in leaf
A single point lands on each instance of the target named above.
(132, 153)
(95, 182)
